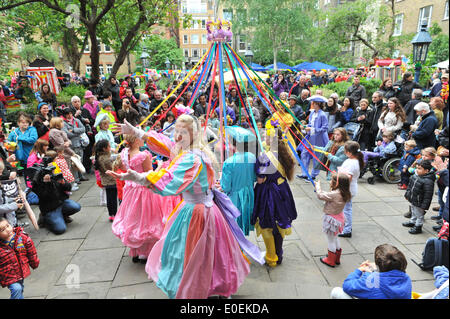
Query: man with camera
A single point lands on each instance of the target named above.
(53, 192)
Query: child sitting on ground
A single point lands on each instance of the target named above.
(387, 146)
(420, 194)
(389, 282)
(409, 156)
(17, 254)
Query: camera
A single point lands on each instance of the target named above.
(37, 172)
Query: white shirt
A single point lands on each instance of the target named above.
(351, 166)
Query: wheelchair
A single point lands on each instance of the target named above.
(385, 168)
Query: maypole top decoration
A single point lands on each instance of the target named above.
(217, 32)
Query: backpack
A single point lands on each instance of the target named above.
(434, 254)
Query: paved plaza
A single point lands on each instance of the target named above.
(89, 262)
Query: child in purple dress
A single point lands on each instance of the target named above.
(274, 208)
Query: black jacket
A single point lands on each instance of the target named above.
(377, 110)
(51, 195)
(38, 123)
(443, 137)
(406, 88)
(421, 190)
(411, 115)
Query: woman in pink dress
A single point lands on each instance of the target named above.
(139, 221)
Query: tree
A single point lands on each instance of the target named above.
(159, 50)
(30, 52)
(438, 50)
(8, 31)
(96, 19)
(274, 25)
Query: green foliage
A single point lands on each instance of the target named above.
(438, 50)
(341, 87)
(69, 91)
(12, 115)
(30, 52)
(159, 50)
(163, 83)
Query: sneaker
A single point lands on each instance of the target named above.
(437, 228)
(346, 235)
(436, 217)
(415, 230)
(111, 218)
(302, 177)
(68, 219)
(407, 215)
(74, 188)
(403, 187)
(135, 259)
(408, 224)
(436, 208)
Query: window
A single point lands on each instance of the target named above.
(86, 48)
(242, 46)
(203, 52)
(109, 68)
(203, 24)
(446, 11)
(228, 14)
(425, 14)
(195, 53)
(186, 53)
(185, 39)
(99, 45)
(326, 2)
(102, 71)
(398, 24)
(194, 39)
(199, 6)
(88, 69)
(204, 39)
(107, 48)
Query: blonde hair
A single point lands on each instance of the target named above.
(117, 164)
(198, 137)
(430, 150)
(130, 139)
(411, 143)
(56, 122)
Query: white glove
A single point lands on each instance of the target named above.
(127, 128)
(139, 178)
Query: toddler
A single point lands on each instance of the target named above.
(17, 254)
(420, 194)
(387, 146)
(409, 156)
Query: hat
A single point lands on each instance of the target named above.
(124, 83)
(41, 104)
(240, 134)
(106, 103)
(426, 164)
(293, 97)
(88, 94)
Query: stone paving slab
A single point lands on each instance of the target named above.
(95, 265)
(106, 270)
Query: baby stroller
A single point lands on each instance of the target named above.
(353, 130)
(385, 167)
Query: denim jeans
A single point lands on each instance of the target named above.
(54, 220)
(348, 217)
(16, 290)
(441, 203)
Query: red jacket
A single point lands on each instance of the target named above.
(15, 262)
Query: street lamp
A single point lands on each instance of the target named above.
(249, 55)
(145, 58)
(421, 43)
(167, 64)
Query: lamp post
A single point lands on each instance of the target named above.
(421, 43)
(167, 64)
(145, 57)
(249, 55)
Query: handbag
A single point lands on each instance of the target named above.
(84, 139)
(77, 162)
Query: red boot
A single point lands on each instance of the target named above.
(330, 260)
(338, 257)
